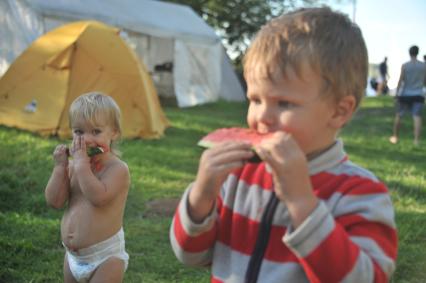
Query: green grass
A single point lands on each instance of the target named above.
(161, 169)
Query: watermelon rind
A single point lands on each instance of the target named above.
(255, 158)
(92, 151)
(205, 144)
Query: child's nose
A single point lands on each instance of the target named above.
(265, 114)
(88, 137)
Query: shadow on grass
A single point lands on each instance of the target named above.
(407, 196)
(384, 155)
(372, 112)
(412, 244)
(25, 238)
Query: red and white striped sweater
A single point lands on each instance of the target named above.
(350, 237)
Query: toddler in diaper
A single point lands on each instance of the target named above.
(83, 263)
(94, 189)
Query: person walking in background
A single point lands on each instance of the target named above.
(424, 87)
(383, 84)
(409, 94)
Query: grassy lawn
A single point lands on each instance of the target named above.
(161, 169)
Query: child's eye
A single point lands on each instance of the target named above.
(96, 132)
(255, 100)
(285, 104)
(78, 132)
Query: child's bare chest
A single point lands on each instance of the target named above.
(75, 187)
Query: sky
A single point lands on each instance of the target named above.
(389, 27)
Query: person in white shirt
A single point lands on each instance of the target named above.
(410, 95)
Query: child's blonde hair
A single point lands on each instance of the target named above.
(94, 107)
(327, 41)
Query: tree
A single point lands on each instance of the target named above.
(236, 21)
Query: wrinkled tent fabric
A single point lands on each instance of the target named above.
(159, 32)
(71, 60)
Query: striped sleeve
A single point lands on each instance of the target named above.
(351, 235)
(192, 242)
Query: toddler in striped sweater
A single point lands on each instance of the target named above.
(306, 213)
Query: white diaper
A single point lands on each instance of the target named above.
(84, 262)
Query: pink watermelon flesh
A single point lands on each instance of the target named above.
(233, 134)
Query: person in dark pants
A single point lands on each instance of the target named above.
(383, 86)
(410, 94)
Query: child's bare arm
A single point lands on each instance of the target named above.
(215, 164)
(290, 171)
(57, 188)
(98, 191)
(101, 191)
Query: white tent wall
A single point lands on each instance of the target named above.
(159, 33)
(231, 88)
(191, 60)
(19, 26)
(155, 51)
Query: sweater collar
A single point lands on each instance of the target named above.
(328, 159)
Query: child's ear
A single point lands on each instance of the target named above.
(344, 109)
(115, 134)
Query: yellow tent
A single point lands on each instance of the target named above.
(69, 61)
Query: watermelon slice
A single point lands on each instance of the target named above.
(233, 134)
(91, 151)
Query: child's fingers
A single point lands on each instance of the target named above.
(74, 145)
(239, 155)
(60, 149)
(60, 154)
(79, 142)
(229, 166)
(267, 156)
(277, 149)
(228, 152)
(227, 146)
(82, 144)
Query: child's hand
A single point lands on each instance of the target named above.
(290, 172)
(215, 165)
(60, 156)
(287, 162)
(79, 152)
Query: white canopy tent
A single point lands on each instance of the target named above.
(183, 54)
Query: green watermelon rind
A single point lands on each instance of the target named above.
(92, 151)
(205, 144)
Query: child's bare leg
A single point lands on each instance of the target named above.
(417, 128)
(396, 125)
(112, 270)
(68, 277)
